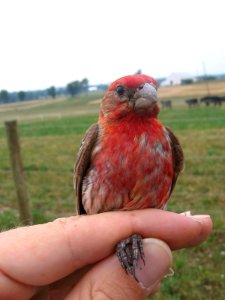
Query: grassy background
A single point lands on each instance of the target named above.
(50, 134)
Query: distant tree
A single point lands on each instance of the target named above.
(52, 92)
(4, 96)
(84, 84)
(13, 97)
(21, 95)
(74, 88)
(77, 87)
(30, 95)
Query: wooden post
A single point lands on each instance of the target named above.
(17, 169)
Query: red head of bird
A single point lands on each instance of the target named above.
(130, 96)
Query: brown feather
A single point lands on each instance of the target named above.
(83, 162)
(178, 156)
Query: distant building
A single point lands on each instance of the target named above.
(92, 88)
(177, 79)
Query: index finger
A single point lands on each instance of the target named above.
(48, 252)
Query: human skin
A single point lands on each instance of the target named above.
(74, 258)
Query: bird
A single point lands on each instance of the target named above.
(127, 160)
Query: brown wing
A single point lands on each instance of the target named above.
(178, 156)
(83, 162)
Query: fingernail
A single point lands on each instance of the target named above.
(186, 213)
(158, 261)
(198, 218)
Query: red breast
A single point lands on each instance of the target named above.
(131, 167)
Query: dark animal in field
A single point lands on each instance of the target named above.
(166, 104)
(216, 100)
(192, 102)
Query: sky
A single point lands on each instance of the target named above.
(54, 42)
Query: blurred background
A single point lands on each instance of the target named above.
(57, 58)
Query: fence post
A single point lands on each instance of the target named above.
(18, 174)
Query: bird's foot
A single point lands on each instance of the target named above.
(128, 251)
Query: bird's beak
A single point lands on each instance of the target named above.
(145, 97)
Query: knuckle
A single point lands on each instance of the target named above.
(100, 293)
(115, 291)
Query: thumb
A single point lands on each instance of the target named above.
(107, 279)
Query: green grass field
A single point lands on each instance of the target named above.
(50, 135)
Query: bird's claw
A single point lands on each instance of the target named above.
(127, 252)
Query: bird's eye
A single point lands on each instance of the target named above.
(120, 90)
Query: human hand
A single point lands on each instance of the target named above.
(74, 258)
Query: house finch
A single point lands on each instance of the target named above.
(128, 160)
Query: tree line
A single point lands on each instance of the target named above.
(71, 89)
